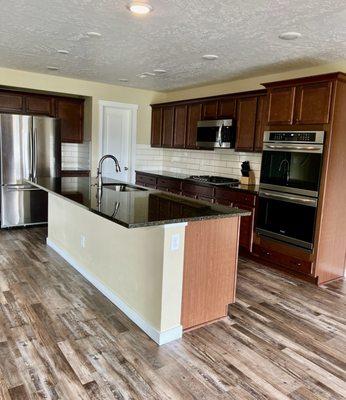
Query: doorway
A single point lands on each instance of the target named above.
(117, 134)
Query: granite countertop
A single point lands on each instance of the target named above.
(134, 209)
(254, 189)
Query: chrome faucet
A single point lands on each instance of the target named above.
(99, 168)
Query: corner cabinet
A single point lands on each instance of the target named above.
(298, 103)
(71, 114)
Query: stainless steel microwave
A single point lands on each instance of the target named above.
(216, 134)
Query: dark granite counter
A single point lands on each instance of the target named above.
(133, 209)
(253, 189)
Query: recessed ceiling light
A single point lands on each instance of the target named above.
(290, 35)
(142, 76)
(52, 68)
(149, 73)
(123, 80)
(140, 8)
(63, 52)
(210, 57)
(160, 71)
(94, 34)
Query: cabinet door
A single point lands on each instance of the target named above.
(246, 227)
(210, 109)
(261, 122)
(42, 105)
(70, 112)
(226, 108)
(11, 102)
(313, 103)
(167, 126)
(156, 127)
(246, 123)
(180, 120)
(281, 105)
(194, 114)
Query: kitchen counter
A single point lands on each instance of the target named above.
(253, 189)
(135, 209)
(177, 271)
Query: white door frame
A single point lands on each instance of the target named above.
(133, 108)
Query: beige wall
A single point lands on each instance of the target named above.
(254, 83)
(95, 91)
(148, 280)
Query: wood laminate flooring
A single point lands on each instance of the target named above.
(61, 339)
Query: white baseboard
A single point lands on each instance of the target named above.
(159, 337)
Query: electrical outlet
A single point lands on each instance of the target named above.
(175, 242)
(82, 241)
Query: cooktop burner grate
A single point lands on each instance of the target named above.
(214, 180)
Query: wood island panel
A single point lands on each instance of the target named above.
(210, 270)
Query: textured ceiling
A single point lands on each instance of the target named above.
(244, 33)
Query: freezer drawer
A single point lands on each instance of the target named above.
(23, 205)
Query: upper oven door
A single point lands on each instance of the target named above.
(292, 168)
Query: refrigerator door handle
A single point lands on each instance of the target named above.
(31, 155)
(34, 154)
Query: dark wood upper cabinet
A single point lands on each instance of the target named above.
(11, 102)
(180, 122)
(281, 105)
(167, 126)
(313, 103)
(246, 123)
(71, 114)
(194, 114)
(226, 108)
(39, 105)
(156, 127)
(261, 122)
(209, 110)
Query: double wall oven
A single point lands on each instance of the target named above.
(289, 186)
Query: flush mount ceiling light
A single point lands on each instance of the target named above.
(290, 35)
(210, 57)
(160, 71)
(63, 51)
(94, 34)
(52, 68)
(140, 8)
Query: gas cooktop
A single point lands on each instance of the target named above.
(214, 180)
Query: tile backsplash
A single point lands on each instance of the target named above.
(223, 162)
(75, 155)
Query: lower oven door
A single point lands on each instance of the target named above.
(288, 218)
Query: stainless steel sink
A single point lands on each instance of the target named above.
(122, 187)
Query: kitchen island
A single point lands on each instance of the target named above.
(168, 262)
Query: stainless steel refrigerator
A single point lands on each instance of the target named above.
(30, 148)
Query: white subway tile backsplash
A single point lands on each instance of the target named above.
(225, 162)
(75, 155)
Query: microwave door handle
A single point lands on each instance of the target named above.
(219, 135)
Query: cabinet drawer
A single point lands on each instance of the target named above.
(166, 183)
(146, 180)
(198, 190)
(233, 196)
(284, 260)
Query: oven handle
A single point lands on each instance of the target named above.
(289, 198)
(299, 148)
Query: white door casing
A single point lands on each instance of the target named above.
(117, 136)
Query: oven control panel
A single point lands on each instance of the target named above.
(292, 136)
